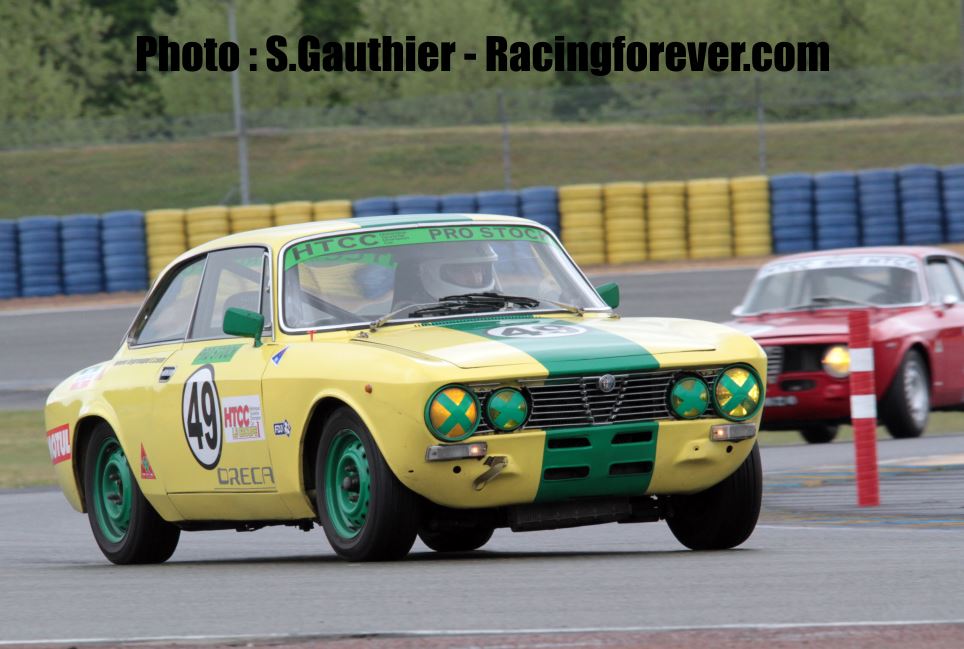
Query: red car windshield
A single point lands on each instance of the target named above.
(826, 282)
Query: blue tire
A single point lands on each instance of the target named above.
(39, 260)
(833, 243)
(802, 221)
(83, 289)
(84, 255)
(837, 221)
(541, 193)
(33, 223)
(835, 195)
(919, 172)
(782, 196)
(791, 181)
(81, 220)
(82, 267)
(46, 290)
(110, 235)
(540, 207)
(123, 219)
(788, 246)
(114, 248)
(416, 204)
(793, 232)
(40, 237)
(500, 211)
(953, 172)
(126, 285)
(380, 205)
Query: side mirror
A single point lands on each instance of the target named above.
(609, 293)
(949, 300)
(737, 311)
(244, 323)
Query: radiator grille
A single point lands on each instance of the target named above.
(571, 401)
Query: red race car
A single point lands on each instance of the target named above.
(797, 307)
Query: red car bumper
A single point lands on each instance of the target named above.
(802, 397)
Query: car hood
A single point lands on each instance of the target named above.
(562, 344)
(807, 323)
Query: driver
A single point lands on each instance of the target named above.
(459, 268)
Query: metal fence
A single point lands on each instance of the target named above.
(720, 124)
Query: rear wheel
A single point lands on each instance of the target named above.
(125, 526)
(819, 433)
(367, 514)
(906, 406)
(724, 515)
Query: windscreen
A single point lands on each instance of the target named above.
(835, 282)
(360, 277)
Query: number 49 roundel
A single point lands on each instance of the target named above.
(201, 415)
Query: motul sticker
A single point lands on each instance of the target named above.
(58, 443)
(87, 377)
(147, 473)
(242, 419)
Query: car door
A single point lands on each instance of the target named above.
(209, 406)
(947, 301)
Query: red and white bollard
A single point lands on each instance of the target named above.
(863, 408)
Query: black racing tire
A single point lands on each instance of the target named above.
(456, 540)
(723, 516)
(819, 433)
(127, 529)
(906, 405)
(367, 514)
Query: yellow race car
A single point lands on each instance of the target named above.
(429, 375)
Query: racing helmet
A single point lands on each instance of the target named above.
(462, 268)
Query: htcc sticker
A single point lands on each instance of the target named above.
(201, 415)
(536, 331)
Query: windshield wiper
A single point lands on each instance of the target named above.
(504, 300)
(414, 308)
(469, 302)
(820, 300)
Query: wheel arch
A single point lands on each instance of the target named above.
(320, 413)
(83, 430)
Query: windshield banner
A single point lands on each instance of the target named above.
(361, 240)
(840, 261)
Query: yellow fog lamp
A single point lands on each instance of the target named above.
(452, 413)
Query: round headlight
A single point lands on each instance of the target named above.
(506, 409)
(452, 413)
(737, 392)
(689, 397)
(836, 361)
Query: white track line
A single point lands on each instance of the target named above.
(485, 632)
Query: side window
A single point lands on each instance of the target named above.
(958, 267)
(232, 278)
(940, 280)
(167, 315)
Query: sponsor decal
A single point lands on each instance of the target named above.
(58, 443)
(839, 261)
(87, 377)
(282, 429)
(242, 419)
(201, 416)
(536, 331)
(219, 354)
(245, 476)
(140, 361)
(147, 473)
(276, 359)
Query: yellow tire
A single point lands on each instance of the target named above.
(634, 213)
(667, 254)
(166, 239)
(750, 198)
(623, 189)
(626, 227)
(171, 251)
(657, 231)
(665, 188)
(710, 252)
(262, 211)
(753, 251)
(581, 220)
(582, 233)
(580, 205)
(578, 192)
(206, 212)
(291, 208)
(626, 247)
(661, 203)
(163, 218)
(246, 225)
(291, 219)
(708, 186)
(586, 247)
(195, 241)
(708, 203)
(741, 231)
(749, 184)
(707, 240)
(207, 228)
(590, 259)
(753, 207)
(707, 215)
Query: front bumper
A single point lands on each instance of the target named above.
(802, 397)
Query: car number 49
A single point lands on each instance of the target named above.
(201, 415)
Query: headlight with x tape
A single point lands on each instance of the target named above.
(737, 392)
(452, 413)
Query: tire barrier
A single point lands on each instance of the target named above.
(836, 217)
(292, 212)
(204, 224)
(9, 260)
(498, 202)
(624, 222)
(81, 248)
(458, 204)
(879, 207)
(38, 239)
(377, 206)
(541, 204)
(709, 226)
(750, 202)
(166, 239)
(242, 218)
(416, 204)
(330, 210)
(124, 248)
(952, 188)
(666, 220)
(581, 223)
(791, 213)
(920, 204)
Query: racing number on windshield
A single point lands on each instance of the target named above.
(201, 415)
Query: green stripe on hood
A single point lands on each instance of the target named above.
(563, 347)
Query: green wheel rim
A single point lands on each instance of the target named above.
(113, 491)
(347, 484)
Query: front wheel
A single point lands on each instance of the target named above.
(724, 515)
(819, 433)
(125, 526)
(907, 404)
(367, 514)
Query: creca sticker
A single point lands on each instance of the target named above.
(201, 415)
(58, 443)
(87, 377)
(242, 419)
(536, 331)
